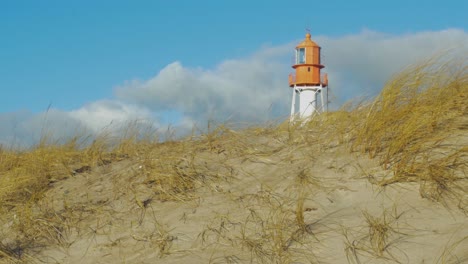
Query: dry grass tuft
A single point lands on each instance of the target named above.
(380, 239)
(380, 230)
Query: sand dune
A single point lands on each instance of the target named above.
(382, 182)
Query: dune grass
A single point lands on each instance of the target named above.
(416, 128)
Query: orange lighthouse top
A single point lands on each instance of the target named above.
(307, 42)
(307, 65)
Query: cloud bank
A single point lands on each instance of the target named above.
(255, 88)
(250, 89)
(23, 128)
(241, 89)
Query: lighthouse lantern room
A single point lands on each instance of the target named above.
(307, 81)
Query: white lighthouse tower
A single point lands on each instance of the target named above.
(307, 82)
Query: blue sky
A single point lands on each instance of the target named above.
(79, 56)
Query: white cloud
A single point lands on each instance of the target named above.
(99, 115)
(255, 88)
(245, 89)
(22, 129)
(360, 64)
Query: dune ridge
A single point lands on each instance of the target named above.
(383, 181)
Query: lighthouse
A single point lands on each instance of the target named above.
(307, 82)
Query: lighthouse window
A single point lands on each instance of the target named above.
(300, 55)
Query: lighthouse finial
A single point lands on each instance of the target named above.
(308, 33)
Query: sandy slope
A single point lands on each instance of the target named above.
(250, 213)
